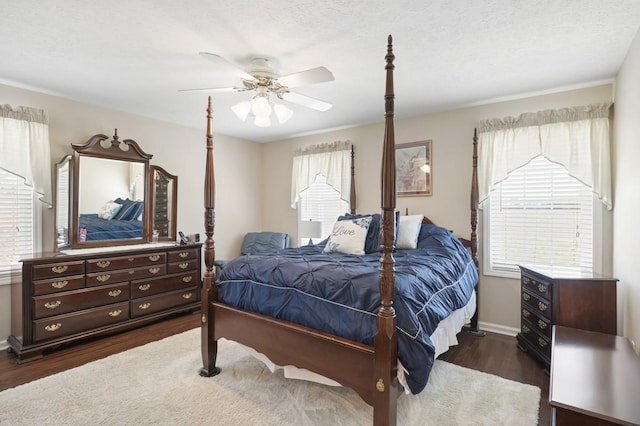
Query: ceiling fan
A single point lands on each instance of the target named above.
(262, 78)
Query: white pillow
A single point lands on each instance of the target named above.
(408, 230)
(109, 210)
(348, 236)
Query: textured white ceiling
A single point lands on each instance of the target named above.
(134, 55)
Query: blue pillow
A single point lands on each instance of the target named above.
(127, 209)
(138, 207)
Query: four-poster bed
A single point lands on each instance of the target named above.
(367, 364)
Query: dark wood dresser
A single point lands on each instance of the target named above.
(60, 298)
(550, 297)
(595, 379)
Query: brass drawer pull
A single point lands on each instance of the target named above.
(144, 306)
(525, 296)
(53, 327)
(115, 293)
(103, 278)
(526, 280)
(115, 313)
(525, 329)
(131, 259)
(542, 342)
(103, 263)
(52, 305)
(59, 284)
(184, 265)
(154, 257)
(154, 270)
(542, 324)
(542, 288)
(187, 279)
(542, 306)
(144, 287)
(187, 295)
(184, 254)
(59, 269)
(525, 313)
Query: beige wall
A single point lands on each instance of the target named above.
(626, 234)
(179, 150)
(452, 134)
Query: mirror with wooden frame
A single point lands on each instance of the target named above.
(163, 202)
(63, 202)
(110, 193)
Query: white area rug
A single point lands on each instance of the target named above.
(158, 384)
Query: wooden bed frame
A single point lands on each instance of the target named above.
(369, 370)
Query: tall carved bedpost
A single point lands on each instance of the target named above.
(209, 290)
(352, 200)
(474, 235)
(386, 339)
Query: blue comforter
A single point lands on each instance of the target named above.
(112, 229)
(340, 293)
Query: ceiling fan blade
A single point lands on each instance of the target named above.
(304, 78)
(215, 89)
(232, 67)
(297, 98)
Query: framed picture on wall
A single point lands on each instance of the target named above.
(413, 169)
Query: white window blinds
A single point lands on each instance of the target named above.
(16, 222)
(540, 215)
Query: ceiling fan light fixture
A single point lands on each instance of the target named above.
(283, 113)
(242, 110)
(262, 121)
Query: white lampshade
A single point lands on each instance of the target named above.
(262, 121)
(260, 106)
(310, 229)
(283, 113)
(242, 109)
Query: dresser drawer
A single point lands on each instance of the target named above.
(144, 288)
(66, 325)
(181, 255)
(58, 269)
(69, 301)
(107, 277)
(537, 286)
(58, 284)
(124, 262)
(541, 343)
(160, 302)
(539, 322)
(540, 306)
(185, 265)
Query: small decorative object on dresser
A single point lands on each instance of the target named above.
(61, 298)
(552, 296)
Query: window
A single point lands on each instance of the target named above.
(544, 179)
(17, 223)
(322, 203)
(539, 215)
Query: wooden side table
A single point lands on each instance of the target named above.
(595, 379)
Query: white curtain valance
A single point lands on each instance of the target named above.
(577, 138)
(24, 147)
(332, 160)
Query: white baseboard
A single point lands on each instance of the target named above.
(3, 345)
(499, 329)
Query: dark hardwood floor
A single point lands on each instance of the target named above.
(494, 354)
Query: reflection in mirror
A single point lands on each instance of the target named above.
(63, 202)
(110, 199)
(164, 201)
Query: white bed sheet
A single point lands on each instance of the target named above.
(443, 338)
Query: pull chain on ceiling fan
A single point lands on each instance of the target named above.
(264, 81)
